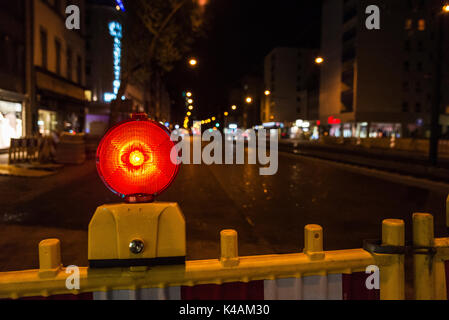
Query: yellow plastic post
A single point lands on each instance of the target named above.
(313, 241)
(49, 257)
(447, 212)
(392, 276)
(423, 237)
(229, 248)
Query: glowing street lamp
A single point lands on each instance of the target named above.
(249, 100)
(234, 107)
(267, 92)
(226, 113)
(190, 101)
(319, 60)
(193, 62)
(189, 113)
(189, 94)
(190, 107)
(446, 8)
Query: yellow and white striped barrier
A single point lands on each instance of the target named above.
(312, 274)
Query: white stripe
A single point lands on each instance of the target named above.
(307, 288)
(168, 293)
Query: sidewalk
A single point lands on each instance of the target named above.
(3, 158)
(402, 162)
(27, 170)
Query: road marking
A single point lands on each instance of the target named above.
(376, 173)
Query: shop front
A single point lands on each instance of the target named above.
(11, 122)
(61, 105)
(47, 122)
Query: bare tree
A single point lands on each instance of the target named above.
(157, 33)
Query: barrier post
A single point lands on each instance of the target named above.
(392, 275)
(313, 241)
(447, 214)
(229, 248)
(49, 257)
(423, 237)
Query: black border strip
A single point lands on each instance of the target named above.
(124, 263)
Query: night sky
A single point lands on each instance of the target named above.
(239, 34)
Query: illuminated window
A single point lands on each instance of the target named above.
(408, 24)
(421, 25)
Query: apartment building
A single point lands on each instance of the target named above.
(13, 86)
(378, 83)
(59, 68)
(291, 85)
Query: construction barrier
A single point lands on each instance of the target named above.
(24, 150)
(431, 259)
(313, 274)
(71, 149)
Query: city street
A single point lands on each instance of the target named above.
(337, 112)
(269, 212)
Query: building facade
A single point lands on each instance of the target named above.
(104, 25)
(377, 83)
(59, 68)
(291, 85)
(13, 86)
(251, 100)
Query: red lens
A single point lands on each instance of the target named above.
(134, 159)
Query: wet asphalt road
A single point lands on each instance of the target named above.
(269, 212)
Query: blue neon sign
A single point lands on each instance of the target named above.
(115, 30)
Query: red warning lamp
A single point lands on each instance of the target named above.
(133, 159)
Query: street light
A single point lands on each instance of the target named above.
(189, 94)
(193, 62)
(190, 107)
(249, 100)
(190, 101)
(319, 60)
(234, 107)
(226, 113)
(446, 8)
(267, 92)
